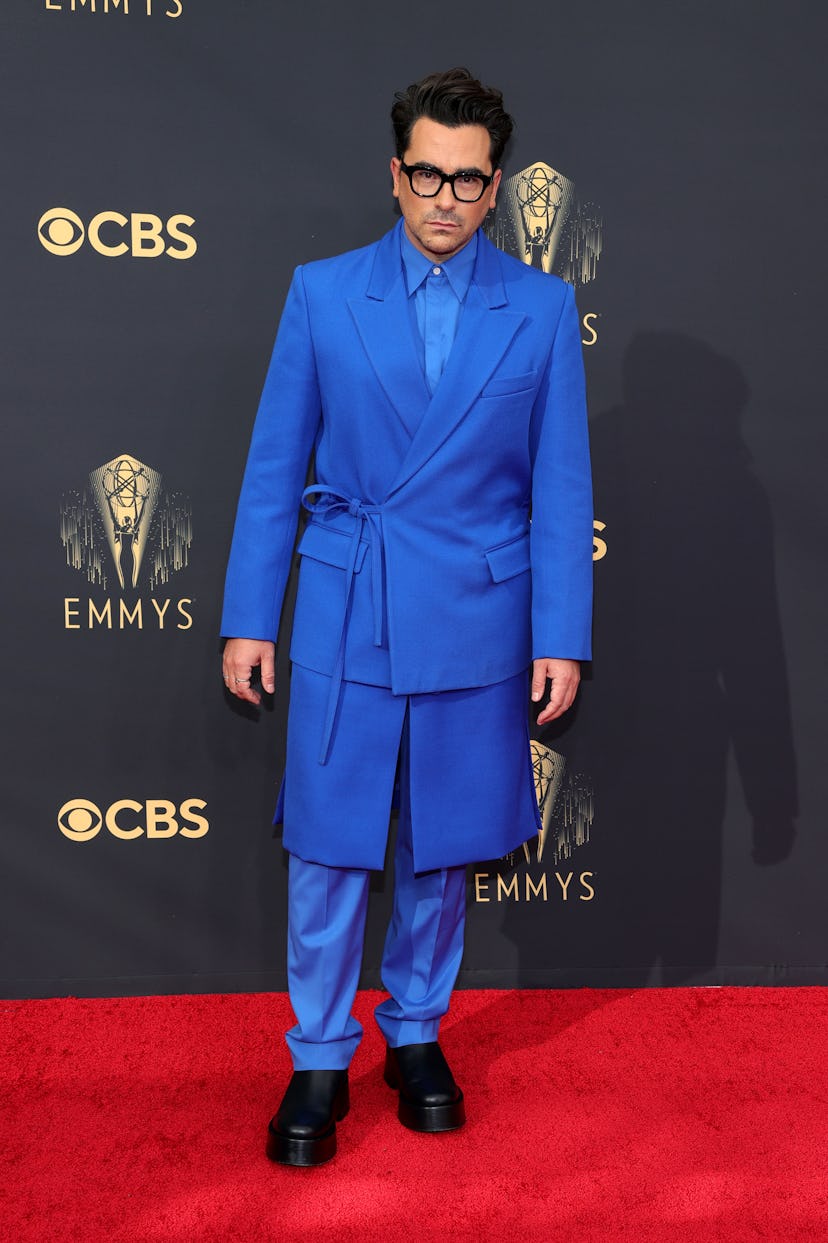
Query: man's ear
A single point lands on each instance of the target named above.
(395, 174)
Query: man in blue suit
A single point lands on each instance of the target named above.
(439, 386)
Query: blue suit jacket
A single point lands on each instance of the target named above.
(450, 538)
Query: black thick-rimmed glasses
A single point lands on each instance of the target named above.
(427, 182)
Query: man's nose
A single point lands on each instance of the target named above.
(445, 198)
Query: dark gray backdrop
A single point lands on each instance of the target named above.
(698, 741)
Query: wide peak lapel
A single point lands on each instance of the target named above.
(383, 321)
(486, 330)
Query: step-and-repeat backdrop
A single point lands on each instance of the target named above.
(166, 165)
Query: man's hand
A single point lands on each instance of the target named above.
(565, 676)
(241, 656)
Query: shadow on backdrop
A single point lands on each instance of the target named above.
(688, 662)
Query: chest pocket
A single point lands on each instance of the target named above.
(505, 386)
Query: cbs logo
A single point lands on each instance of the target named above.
(144, 236)
(80, 820)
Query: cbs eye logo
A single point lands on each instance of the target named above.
(61, 231)
(80, 820)
(142, 235)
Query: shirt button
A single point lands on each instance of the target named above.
(436, 271)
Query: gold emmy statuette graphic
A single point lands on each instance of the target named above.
(542, 198)
(548, 767)
(123, 521)
(566, 807)
(126, 492)
(538, 200)
(540, 220)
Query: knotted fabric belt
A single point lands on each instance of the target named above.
(368, 521)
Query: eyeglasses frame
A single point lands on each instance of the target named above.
(410, 169)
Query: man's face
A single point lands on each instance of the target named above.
(441, 226)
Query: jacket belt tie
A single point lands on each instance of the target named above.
(368, 521)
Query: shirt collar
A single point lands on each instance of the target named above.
(459, 269)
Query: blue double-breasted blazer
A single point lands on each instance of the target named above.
(450, 536)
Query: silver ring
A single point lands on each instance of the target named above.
(242, 681)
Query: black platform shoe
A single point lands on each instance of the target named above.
(303, 1132)
(430, 1100)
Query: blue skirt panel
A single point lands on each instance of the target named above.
(472, 793)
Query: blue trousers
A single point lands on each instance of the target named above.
(326, 928)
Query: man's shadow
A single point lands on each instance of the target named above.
(689, 662)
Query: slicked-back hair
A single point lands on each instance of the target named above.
(452, 98)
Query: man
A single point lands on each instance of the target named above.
(439, 385)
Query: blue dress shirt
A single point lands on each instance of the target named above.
(436, 293)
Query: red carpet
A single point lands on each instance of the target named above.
(649, 1116)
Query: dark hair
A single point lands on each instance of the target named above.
(452, 98)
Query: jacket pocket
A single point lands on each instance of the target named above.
(507, 560)
(330, 546)
(504, 386)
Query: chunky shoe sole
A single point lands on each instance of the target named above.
(427, 1118)
(315, 1150)
(289, 1150)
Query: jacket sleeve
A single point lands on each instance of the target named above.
(561, 528)
(284, 434)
